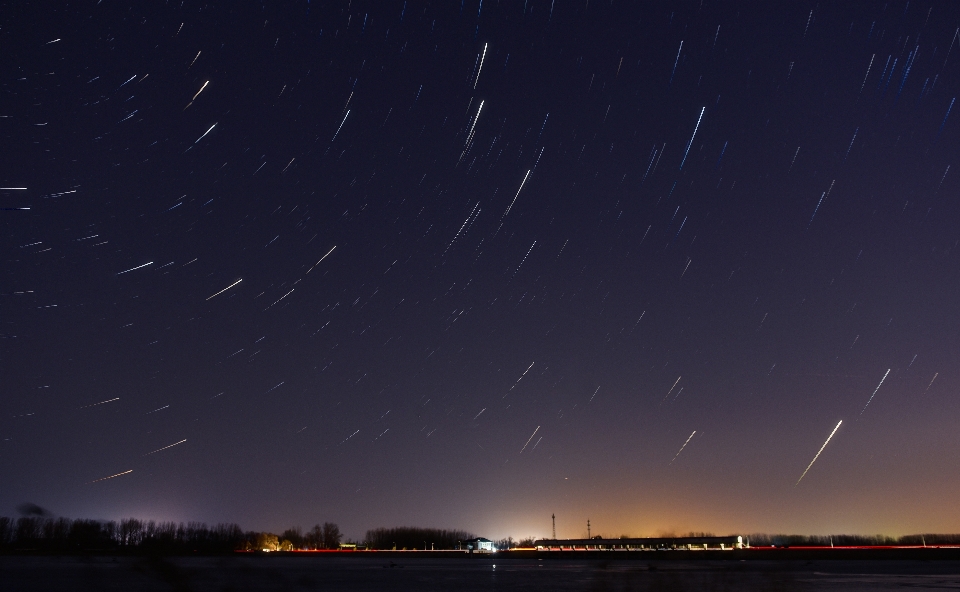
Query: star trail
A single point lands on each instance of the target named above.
(468, 265)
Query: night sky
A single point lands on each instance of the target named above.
(466, 265)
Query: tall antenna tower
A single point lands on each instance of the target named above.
(588, 528)
(554, 518)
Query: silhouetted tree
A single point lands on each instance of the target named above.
(29, 531)
(130, 533)
(331, 535)
(47, 533)
(89, 534)
(295, 536)
(314, 537)
(414, 538)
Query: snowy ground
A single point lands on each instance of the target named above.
(29, 573)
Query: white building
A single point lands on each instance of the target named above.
(479, 544)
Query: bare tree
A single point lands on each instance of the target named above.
(331, 535)
(314, 537)
(295, 536)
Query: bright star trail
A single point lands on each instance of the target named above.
(225, 289)
(817, 455)
(684, 446)
(166, 447)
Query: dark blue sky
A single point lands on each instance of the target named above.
(618, 262)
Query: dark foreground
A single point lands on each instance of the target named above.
(286, 573)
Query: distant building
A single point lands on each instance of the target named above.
(688, 543)
(478, 544)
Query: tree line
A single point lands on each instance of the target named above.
(43, 533)
(508, 543)
(319, 537)
(49, 534)
(411, 537)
